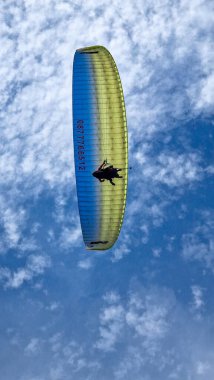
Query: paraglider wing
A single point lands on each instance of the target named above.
(100, 137)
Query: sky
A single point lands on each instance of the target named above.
(144, 309)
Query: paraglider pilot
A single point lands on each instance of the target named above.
(106, 172)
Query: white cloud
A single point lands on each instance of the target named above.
(53, 306)
(35, 266)
(71, 237)
(198, 301)
(161, 345)
(145, 315)
(210, 169)
(36, 111)
(85, 264)
(206, 96)
(33, 346)
(69, 358)
(120, 252)
(111, 297)
(171, 168)
(37, 263)
(156, 252)
(111, 324)
(56, 342)
(13, 221)
(202, 368)
(198, 244)
(148, 319)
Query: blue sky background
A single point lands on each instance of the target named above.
(143, 310)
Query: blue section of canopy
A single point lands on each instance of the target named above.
(85, 148)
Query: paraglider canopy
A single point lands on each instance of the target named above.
(100, 146)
